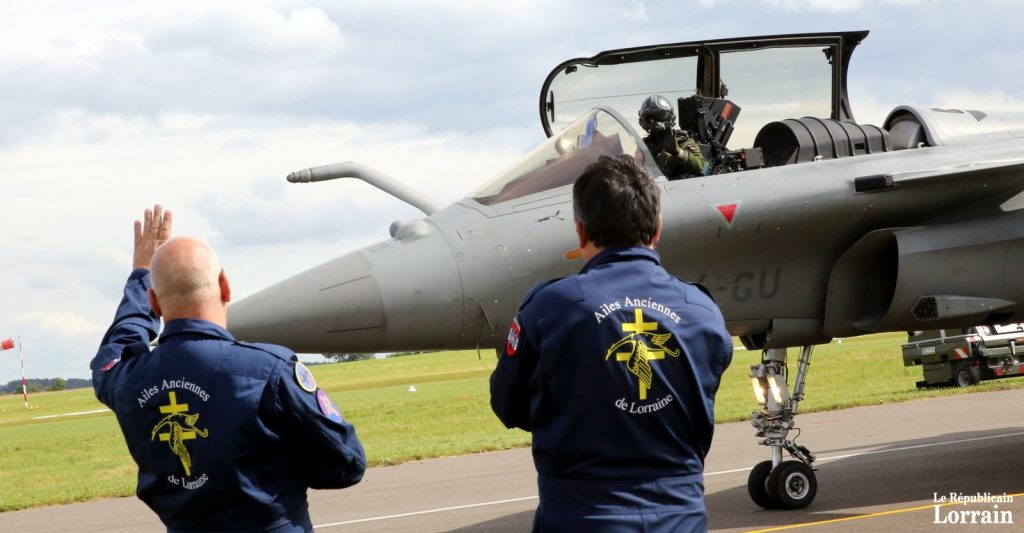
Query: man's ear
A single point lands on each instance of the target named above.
(225, 287)
(154, 303)
(581, 233)
(657, 233)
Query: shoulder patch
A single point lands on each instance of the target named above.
(304, 377)
(512, 343)
(328, 407)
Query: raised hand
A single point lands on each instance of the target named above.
(150, 233)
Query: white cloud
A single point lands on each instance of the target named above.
(207, 163)
(994, 100)
(171, 121)
(264, 58)
(632, 10)
(63, 323)
(872, 107)
(833, 6)
(829, 6)
(248, 32)
(520, 11)
(75, 35)
(869, 107)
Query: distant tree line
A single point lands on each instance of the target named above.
(400, 354)
(346, 357)
(45, 384)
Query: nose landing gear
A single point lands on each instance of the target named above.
(778, 484)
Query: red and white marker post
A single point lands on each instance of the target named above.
(7, 344)
(24, 387)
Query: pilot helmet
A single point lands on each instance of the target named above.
(656, 114)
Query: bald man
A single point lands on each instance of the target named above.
(227, 435)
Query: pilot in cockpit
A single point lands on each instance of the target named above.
(678, 155)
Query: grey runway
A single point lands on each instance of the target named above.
(879, 468)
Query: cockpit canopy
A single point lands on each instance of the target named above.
(771, 78)
(589, 105)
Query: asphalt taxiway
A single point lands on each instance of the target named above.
(880, 468)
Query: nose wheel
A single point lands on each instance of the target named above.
(791, 485)
(778, 484)
(757, 485)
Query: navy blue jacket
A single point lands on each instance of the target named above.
(614, 371)
(226, 435)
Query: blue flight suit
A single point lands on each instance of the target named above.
(227, 435)
(614, 371)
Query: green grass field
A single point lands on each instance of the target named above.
(67, 459)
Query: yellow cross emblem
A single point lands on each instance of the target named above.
(638, 358)
(181, 426)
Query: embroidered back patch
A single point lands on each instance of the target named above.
(177, 427)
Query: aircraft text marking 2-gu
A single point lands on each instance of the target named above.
(818, 227)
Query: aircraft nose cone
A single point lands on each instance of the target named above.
(339, 300)
(402, 294)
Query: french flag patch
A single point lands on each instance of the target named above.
(513, 338)
(110, 365)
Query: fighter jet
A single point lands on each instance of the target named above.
(808, 225)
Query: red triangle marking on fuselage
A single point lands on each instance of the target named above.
(728, 211)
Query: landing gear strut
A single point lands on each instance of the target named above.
(778, 484)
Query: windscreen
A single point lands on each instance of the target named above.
(562, 158)
(623, 87)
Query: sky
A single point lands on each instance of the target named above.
(107, 107)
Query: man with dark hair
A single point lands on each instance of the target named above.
(615, 370)
(227, 435)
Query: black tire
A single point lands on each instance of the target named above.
(975, 375)
(757, 485)
(793, 485)
(967, 376)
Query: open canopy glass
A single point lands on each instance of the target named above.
(561, 159)
(770, 78)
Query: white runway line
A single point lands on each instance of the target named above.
(723, 472)
(428, 511)
(72, 414)
(930, 445)
(891, 450)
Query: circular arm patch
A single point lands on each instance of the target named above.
(512, 343)
(328, 407)
(304, 377)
